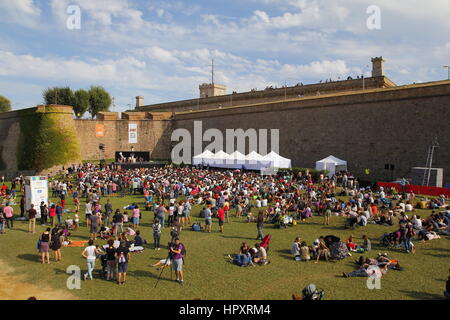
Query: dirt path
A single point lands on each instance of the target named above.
(14, 287)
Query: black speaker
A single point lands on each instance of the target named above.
(392, 167)
(386, 166)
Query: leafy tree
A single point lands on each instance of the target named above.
(59, 95)
(99, 100)
(5, 104)
(81, 104)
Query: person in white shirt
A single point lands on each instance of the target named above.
(90, 253)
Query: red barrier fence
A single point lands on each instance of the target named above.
(430, 191)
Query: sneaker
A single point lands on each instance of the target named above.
(345, 275)
(230, 257)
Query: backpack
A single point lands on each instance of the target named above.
(183, 251)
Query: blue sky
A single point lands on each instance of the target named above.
(162, 49)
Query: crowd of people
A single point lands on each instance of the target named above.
(171, 192)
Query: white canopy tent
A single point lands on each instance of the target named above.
(332, 165)
(217, 160)
(202, 157)
(276, 161)
(255, 161)
(236, 160)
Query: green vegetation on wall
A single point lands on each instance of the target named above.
(46, 139)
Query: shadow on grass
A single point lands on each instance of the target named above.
(286, 254)
(30, 257)
(236, 237)
(423, 295)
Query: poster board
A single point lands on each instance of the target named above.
(132, 133)
(36, 191)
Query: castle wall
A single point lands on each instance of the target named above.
(269, 95)
(388, 126)
(153, 136)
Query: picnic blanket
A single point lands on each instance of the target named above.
(80, 243)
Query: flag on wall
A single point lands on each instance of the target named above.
(99, 130)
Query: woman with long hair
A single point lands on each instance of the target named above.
(56, 242)
(45, 239)
(259, 225)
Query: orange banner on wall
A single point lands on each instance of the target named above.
(99, 130)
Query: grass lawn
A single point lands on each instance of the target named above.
(208, 275)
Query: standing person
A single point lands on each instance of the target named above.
(32, 219)
(108, 212)
(62, 196)
(76, 199)
(55, 245)
(226, 208)
(221, 217)
(59, 213)
(8, 212)
(136, 213)
(2, 221)
(95, 219)
(111, 267)
(88, 212)
(177, 259)
(90, 253)
(123, 257)
(44, 213)
(327, 214)
(157, 233)
(208, 218)
(409, 235)
(160, 213)
(259, 225)
(22, 206)
(187, 212)
(118, 222)
(45, 240)
(52, 214)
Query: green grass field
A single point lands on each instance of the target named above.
(209, 275)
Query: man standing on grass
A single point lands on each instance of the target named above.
(177, 259)
(32, 219)
(59, 213)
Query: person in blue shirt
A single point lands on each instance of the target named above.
(59, 213)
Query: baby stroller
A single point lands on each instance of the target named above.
(311, 292)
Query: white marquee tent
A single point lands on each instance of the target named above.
(331, 164)
(237, 160)
(277, 161)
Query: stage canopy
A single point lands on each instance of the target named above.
(332, 165)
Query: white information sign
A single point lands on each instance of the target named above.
(36, 191)
(132, 133)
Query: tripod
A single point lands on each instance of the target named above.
(168, 259)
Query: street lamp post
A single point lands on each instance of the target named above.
(448, 69)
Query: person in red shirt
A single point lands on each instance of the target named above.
(374, 209)
(221, 216)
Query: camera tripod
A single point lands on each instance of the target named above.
(168, 259)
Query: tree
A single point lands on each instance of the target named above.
(59, 95)
(81, 104)
(5, 104)
(99, 100)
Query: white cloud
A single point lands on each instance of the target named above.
(22, 12)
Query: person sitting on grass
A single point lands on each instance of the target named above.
(295, 249)
(304, 252)
(244, 258)
(322, 250)
(351, 245)
(260, 255)
(138, 241)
